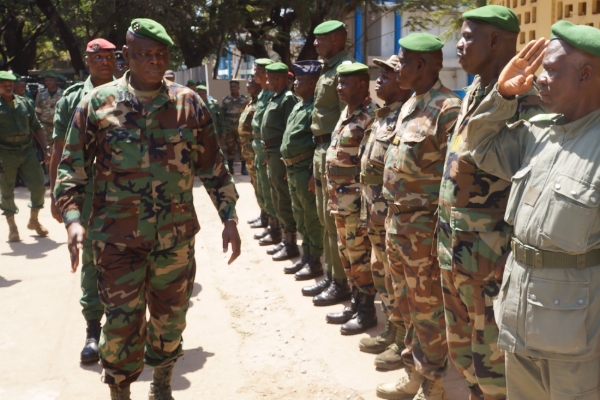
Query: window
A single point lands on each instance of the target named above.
(596, 7)
(527, 17)
(569, 11)
(523, 2)
(591, 24)
(534, 15)
(531, 35)
(534, 1)
(519, 17)
(582, 8)
(514, 4)
(522, 38)
(559, 10)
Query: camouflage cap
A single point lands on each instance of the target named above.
(498, 16)
(328, 27)
(7, 76)
(278, 68)
(347, 69)
(583, 37)
(263, 62)
(389, 63)
(421, 42)
(150, 29)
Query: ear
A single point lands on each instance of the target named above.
(420, 64)
(85, 59)
(125, 51)
(585, 74)
(494, 39)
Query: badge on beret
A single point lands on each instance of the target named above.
(136, 26)
(96, 46)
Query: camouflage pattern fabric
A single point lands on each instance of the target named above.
(472, 236)
(413, 171)
(245, 131)
(232, 108)
(345, 192)
(143, 219)
(262, 179)
(45, 106)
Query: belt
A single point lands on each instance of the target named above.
(256, 135)
(293, 160)
(322, 139)
(343, 171)
(15, 139)
(537, 258)
(267, 144)
(371, 179)
(397, 209)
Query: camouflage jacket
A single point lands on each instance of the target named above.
(45, 105)
(414, 161)
(378, 138)
(216, 114)
(342, 161)
(472, 201)
(146, 159)
(232, 109)
(261, 104)
(245, 125)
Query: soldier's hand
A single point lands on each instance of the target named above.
(311, 184)
(47, 157)
(75, 236)
(499, 270)
(435, 271)
(517, 77)
(231, 235)
(54, 210)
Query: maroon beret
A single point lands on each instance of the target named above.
(99, 44)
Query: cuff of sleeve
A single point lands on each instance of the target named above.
(71, 216)
(500, 101)
(231, 215)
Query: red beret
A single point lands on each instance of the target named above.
(99, 44)
(290, 74)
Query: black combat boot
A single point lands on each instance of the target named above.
(317, 288)
(337, 292)
(160, 387)
(347, 312)
(244, 169)
(265, 231)
(365, 317)
(274, 236)
(312, 269)
(89, 354)
(253, 220)
(230, 165)
(260, 222)
(290, 248)
(277, 247)
(297, 266)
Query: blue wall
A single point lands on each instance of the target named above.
(358, 36)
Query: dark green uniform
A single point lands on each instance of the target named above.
(262, 179)
(216, 115)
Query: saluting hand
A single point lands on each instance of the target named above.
(517, 77)
(75, 236)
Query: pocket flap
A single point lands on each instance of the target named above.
(477, 219)
(558, 295)
(122, 135)
(521, 173)
(579, 191)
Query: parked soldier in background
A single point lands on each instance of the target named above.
(232, 107)
(192, 84)
(213, 107)
(45, 104)
(122, 64)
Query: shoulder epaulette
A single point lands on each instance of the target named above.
(73, 88)
(542, 119)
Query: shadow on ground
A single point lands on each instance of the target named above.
(33, 250)
(6, 283)
(196, 291)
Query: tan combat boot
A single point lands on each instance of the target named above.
(13, 232)
(120, 392)
(431, 390)
(35, 225)
(160, 388)
(380, 342)
(406, 387)
(391, 358)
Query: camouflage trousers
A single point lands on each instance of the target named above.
(263, 187)
(128, 279)
(473, 333)
(26, 164)
(248, 155)
(92, 308)
(230, 144)
(380, 269)
(355, 251)
(48, 130)
(409, 242)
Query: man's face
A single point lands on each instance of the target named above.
(347, 88)
(273, 81)
(101, 64)
(192, 86)
(386, 83)
(559, 81)
(473, 49)
(7, 88)
(120, 68)
(407, 69)
(203, 96)
(324, 45)
(252, 87)
(147, 59)
(20, 88)
(304, 86)
(234, 89)
(260, 74)
(50, 84)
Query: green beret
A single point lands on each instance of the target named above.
(278, 67)
(421, 42)
(49, 75)
(7, 76)
(263, 62)
(150, 29)
(582, 37)
(16, 75)
(349, 68)
(201, 87)
(498, 16)
(191, 82)
(61, 77)
(328, 27)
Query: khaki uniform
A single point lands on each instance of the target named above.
(232, 108)
(548, 303)
(245, 131)
(45, 107)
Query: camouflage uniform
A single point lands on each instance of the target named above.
(216, 115)
(143, 219)
(232, 109)
(472, 236)
(44, 107)
(413, 170)
(248, 155)
(345, 190)
(262, 180)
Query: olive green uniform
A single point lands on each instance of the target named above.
(262, 180)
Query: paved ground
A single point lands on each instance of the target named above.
(250, 333)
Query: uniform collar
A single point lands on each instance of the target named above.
(359, 109)
(283, 92)
(421, 101)
(385, 110)
(577, 127)
(333, 61)
(309, 103)
(16, 100)
(167, 92)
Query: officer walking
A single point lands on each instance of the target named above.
(45, 104)
(232, 107)
(414, 164)
(143, 240)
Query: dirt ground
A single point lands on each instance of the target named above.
(250, 333)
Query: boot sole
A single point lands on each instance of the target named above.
(388, 366)
(332, 302)
(383, 395)
(363, 330)
(312, 294)
(89, 360)
(337, 322)
(285, 258)
(371, 350)
(291, 271)
(42, 234)
(307, 277)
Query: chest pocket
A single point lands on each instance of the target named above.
(125, 149)
(180, 149)
(572, 212)
(378, 149)
(408, 150)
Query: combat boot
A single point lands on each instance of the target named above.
(319, 287)
(297, 266)
(160, 387)
(406, 387)
(35, 225)
(391, 358)
(13, 232)
(253, 220)
(89, 354)
(120, 392)
(379, 343)
(431, 389)
(244, 169)
(312, 269)
(260, 222)
(290, 248)
(365, 317)
(277, 247)
(347, 312)
(337, 292)
(274, 235)
(230, 165)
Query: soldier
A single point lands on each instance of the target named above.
(232, 106)
(330, 43)
(271, 234)
(213, 107)
(374, 208)
(272, 128)
(468, 250)
(45, 104)
(170, 75)
(143, 240)
(61, 81)
(551, 281)
(100, 60)
(21, 90)
(345, 192)
(18, 155)
(297, 150)
(122, 64)
(192, 84)
(414, 163)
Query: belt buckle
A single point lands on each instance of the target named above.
(263, 144)
(537, 259)
(314, 138)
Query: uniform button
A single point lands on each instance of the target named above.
(593, 200)
(580, 301)
(532, 297)
(557, 186)
(573, 193)
(556, 302)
